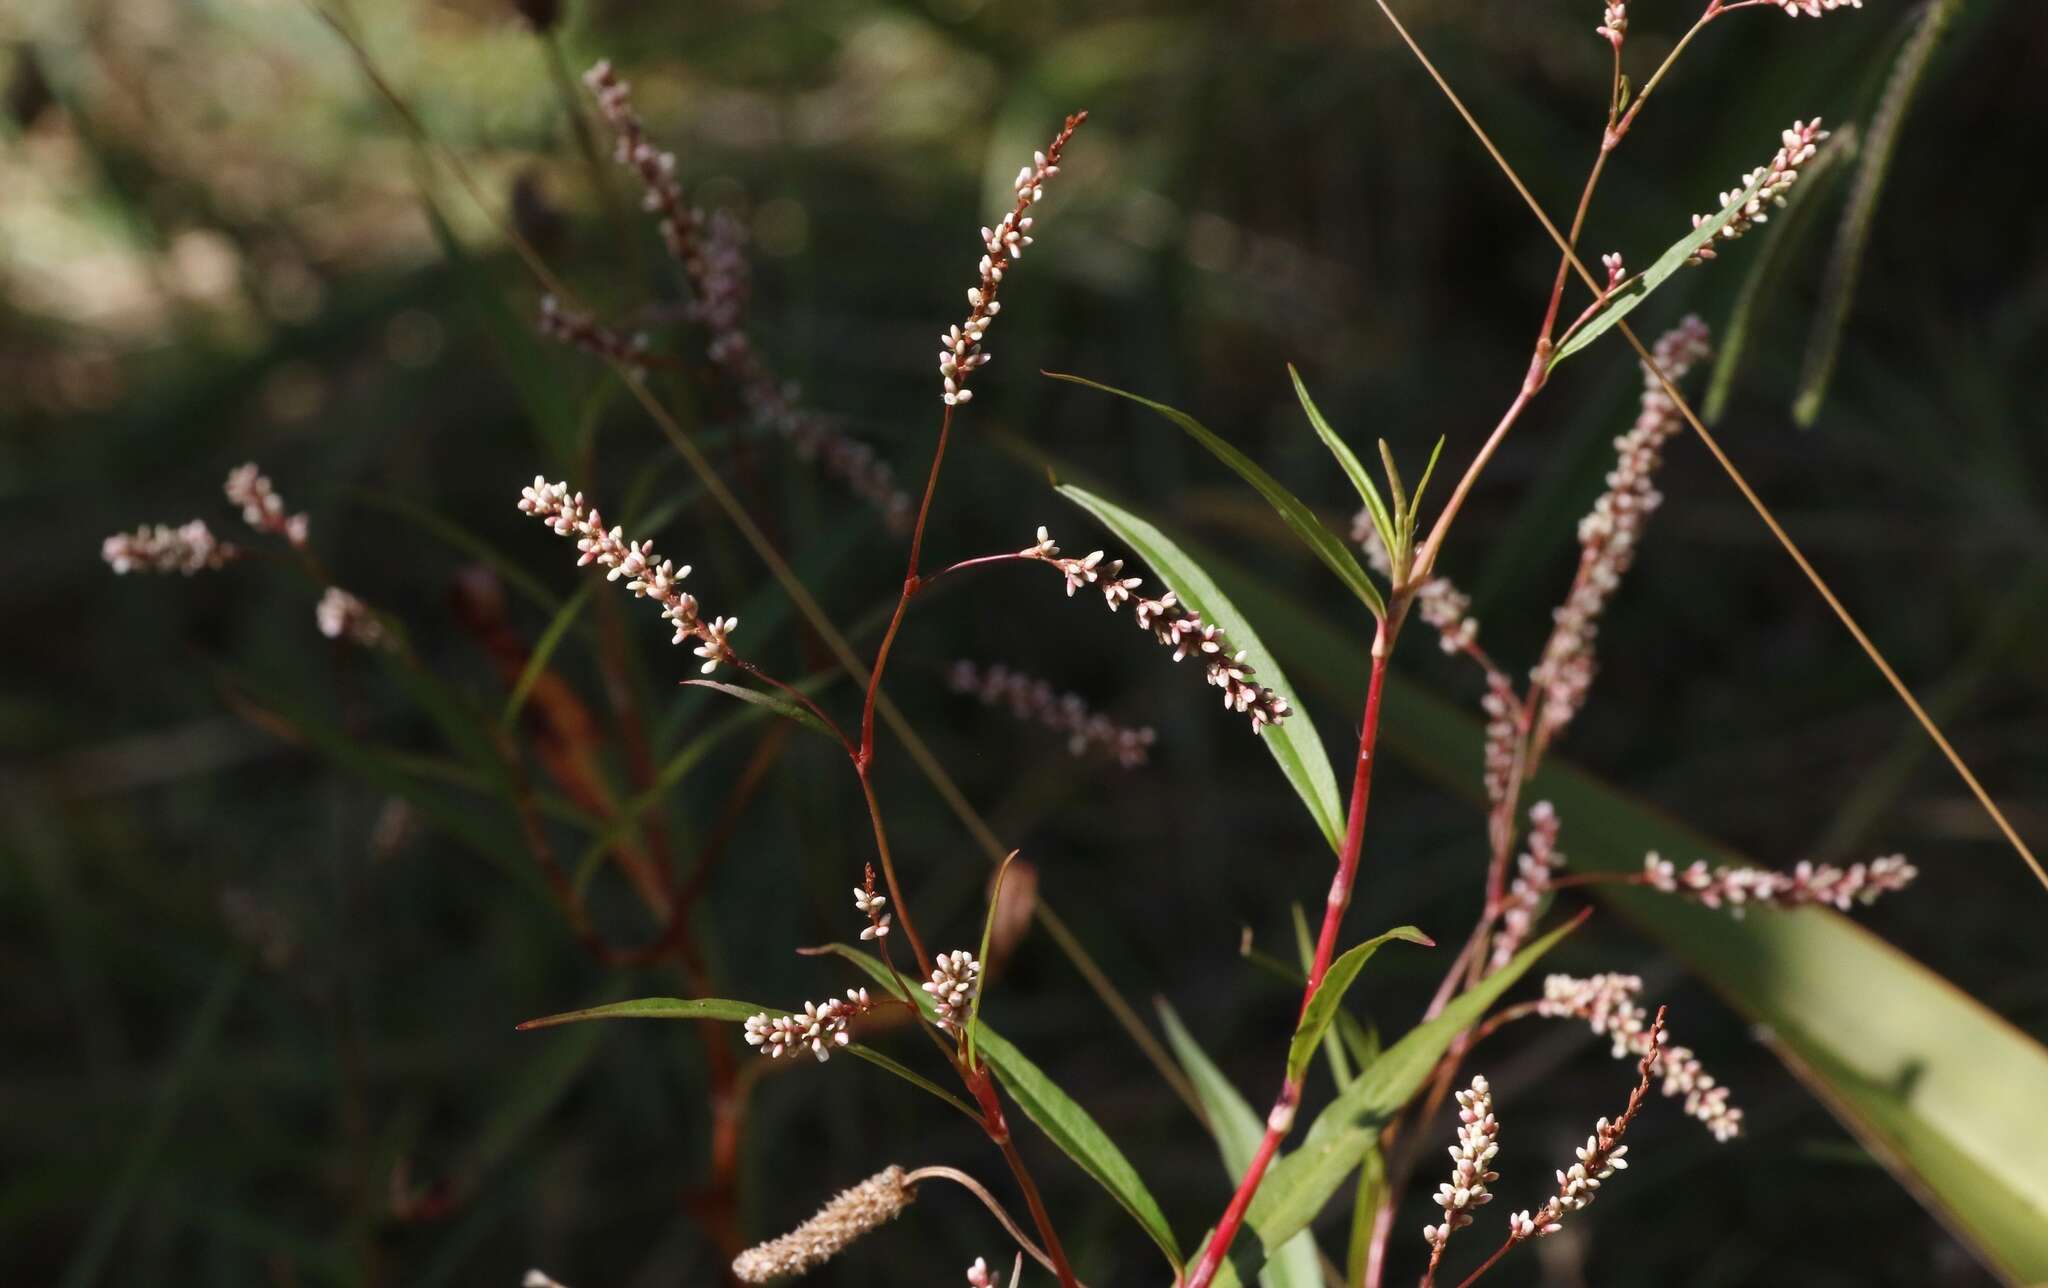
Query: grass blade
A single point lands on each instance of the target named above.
(1838, 284)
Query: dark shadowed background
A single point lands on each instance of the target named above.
(264, 932)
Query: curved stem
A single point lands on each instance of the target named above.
(988, 1200)
(924, 961)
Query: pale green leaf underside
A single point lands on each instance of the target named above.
(1293, 742)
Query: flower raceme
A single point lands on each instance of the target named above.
(570, 516)
(1174, 625)
(1034, 699)
(1003, 245)
(1796, 147)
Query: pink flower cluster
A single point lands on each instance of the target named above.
(1029, 698)
(1003, 245)
(1609, 534)
(820, 1026)
(1174, 626)
(1823, 883)
(569, 516)
(712, 253)
(955, 976)
(188, 548)
(1607, 1004)
(1471, 1165)
(1534, 871)
(262, 508)
(1797, 146)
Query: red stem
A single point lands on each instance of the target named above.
(911, 583)
(1281, 1120)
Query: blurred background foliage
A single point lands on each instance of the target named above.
(264, 931)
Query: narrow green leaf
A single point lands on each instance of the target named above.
(1063, 1121)
(1293, 743)
(1624, 301)
(544, 649)
(1838, 284)
(1300, 1184)
(1348, 460)
(1329, 995)
(656, 1008)
(773, 700)
(861, 1051)
(1299, 519)
(1365, 1206)
(1237, 1131)
(725, 1009)
(988, 927)
(1401, 519)
(1340, 1064)
(1415, 504)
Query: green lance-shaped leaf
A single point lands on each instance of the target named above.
(988, 932)
(1238, 1130)
(774, 700)
(1625, 301)
(1329, 995)
(1347, 460)
(1293, 743)
(1300, 1184)
(1056, 1114)
(1301, 520)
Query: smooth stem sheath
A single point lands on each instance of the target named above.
(1281, 1120)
